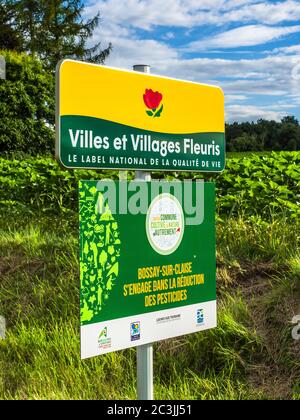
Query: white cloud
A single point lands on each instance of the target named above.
(251, 113)
(293, 49)
(295, 99)
(273, 74)
(244, 36)
(242, 79)
(274, 79)
(233, 98)
(129, 50)
(169, 35)
(266, 12)
(144, 14)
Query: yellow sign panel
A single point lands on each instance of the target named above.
(155, 123)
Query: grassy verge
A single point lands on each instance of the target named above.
(250, 355)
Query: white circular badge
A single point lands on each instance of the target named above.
(165, 224)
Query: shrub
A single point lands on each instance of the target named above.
(254, 185)
(27, 104)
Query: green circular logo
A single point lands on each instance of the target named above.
(165, 224)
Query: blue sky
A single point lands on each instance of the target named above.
(251, 48)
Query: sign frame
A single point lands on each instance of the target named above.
(124, 307)
(148, 168)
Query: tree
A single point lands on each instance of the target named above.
(27, 22)
(264, 135)
(268, 132)
(55, 29)
(26, 105)
(66, 34)
(289, 136)
(9, 38)
(290, 119)
(245, 143)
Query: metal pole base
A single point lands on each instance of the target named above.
(145, 372)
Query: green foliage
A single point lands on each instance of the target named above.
(263, 135)
(278, 307)
(263, 185)
(99, 259)
(251, 239)
(251, 353)
(247, 142)
(26, 105)
(225, 350)
(10, 39)
(40, 358)
(251, 186)
(40, 185)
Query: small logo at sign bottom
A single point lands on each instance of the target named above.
(104, 341)
(200, 316)
(135, 331)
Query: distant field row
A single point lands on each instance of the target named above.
(247, 154)
(253, 185)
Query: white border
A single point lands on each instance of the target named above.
(118, 330)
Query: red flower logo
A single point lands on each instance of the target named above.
(152, 101)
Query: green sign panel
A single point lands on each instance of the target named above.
(145, 275)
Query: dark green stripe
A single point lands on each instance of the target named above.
(148, 160)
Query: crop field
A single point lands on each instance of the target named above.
(250, 355)
(230, 155)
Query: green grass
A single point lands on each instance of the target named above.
(250, 355)
(253, 239)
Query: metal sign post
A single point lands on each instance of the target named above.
(144, 356)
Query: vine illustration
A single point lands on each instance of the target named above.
(99, 251)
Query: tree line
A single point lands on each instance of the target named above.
(263, 135)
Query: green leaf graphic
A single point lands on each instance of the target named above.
(159, 111)
(150, 113)
(100, 252)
